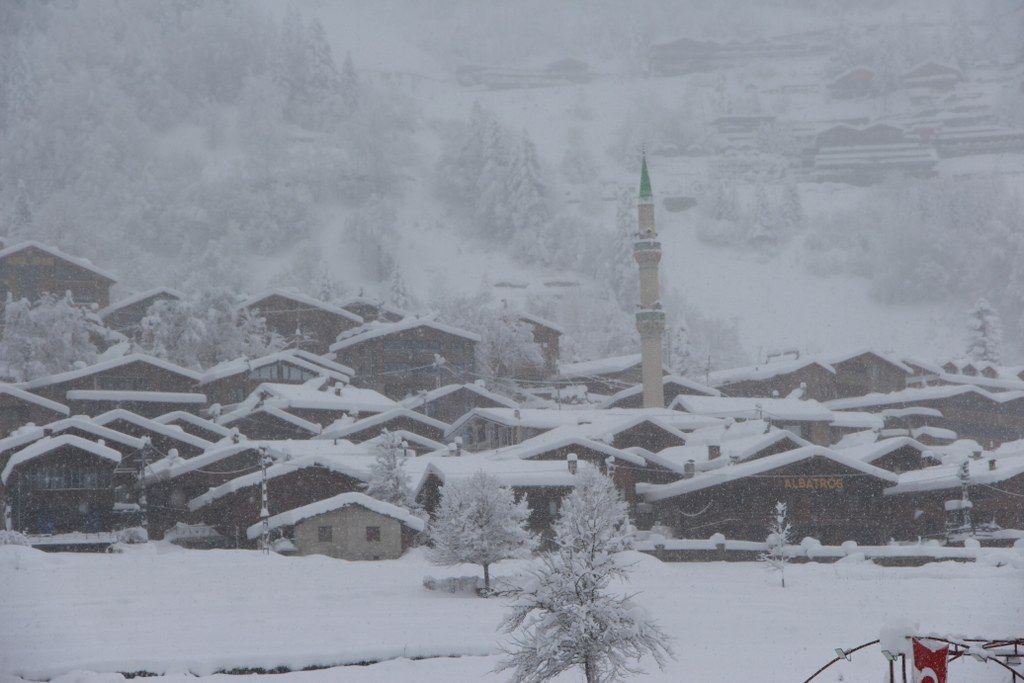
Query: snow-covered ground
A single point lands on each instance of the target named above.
(163, 609)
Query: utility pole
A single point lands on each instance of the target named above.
(264, 510)
(143, 463)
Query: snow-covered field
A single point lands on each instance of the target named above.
(162, 609)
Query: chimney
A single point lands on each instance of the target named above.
(992, 463)
(453, 449)
(571, 461)
(609, 464)
(714, 451)
(689, 469)
(47, 431)
(976, 455)
(517, 414)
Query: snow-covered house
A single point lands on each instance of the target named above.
(371, 310)
(808, 419)
(604, 375)
(968, 411)
(28, 270)
(144, 384)
(547, 336)
(452, 401)
(396, 419)
(233, 506)
(125, 315)
(831, 496)
(77, 425)
(896, 454)
(414, 354)
(264, 420)
(195, 425)
(673, 385)
(163, 437)
(866, 154)
(348, 526)
(930, 78)
(303, 321)
(230, 382)
(61, 484)
(856, 82)
(19, 407)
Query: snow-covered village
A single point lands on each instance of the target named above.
(470, 340)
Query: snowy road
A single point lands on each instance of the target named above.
(173, 611)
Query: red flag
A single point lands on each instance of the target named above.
(929, 665)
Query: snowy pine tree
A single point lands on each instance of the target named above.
(479, 521)
(779, 532)
(578, 165)
(42, 338)
(765, 228)
(21, 220)
(349, 85)
(389, 480)
(791, 210)
(984, 333)
(398, 293)
(565, 616)
(622, 277)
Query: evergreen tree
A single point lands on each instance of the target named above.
(565, 616)
(578, 165)
(491, 195)
(529, 214)
(622, 276)
(984, 333)
(42, 338)
(791, 209)
(398, 293)
(373, 234)
(722, 203)
(779, 532)
(389, 480)
(480, 522)
(350, 87)
(764, 219)
(22, 218)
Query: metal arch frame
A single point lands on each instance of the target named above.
(960, 648)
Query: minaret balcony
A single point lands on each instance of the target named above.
(646, 245)
(650, 321)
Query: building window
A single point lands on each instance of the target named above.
(325, 534)
(373, 534)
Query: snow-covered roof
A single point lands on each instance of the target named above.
(665, 381)
(734, 450)
(376, 329)
(346, 398)
(293, 517)
(343, 428)
(521, 473)
(741, 407)
(607, 418)
(167, 430)
(870, 452)
(375, 303)
(172, 466)
(916, 394)
(200, 422)
(855, 419)
(52, 443)
(764, 371)
(303, 299)
(247, 412)
(296, 357)
(539, 321)
(354, 467)
(948, 476)
(725, 475)
(108, 365)
(29, 397)
(994, 383)
(137, 297)
(598, 366)
(30, 433)
(408, 437)
(556, 439)
(135, 396)
(414, 402)
(54, 251)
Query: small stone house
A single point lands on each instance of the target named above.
(349, 526)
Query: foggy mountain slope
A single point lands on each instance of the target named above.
(238, 180)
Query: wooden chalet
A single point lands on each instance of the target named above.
(673, 386)
(989, 418)
(807, 419)
(125, 315)
(895, 454)
(348, 526)
(829, 496)
(371, 310)
(125, 444)
(452, 401)
(547, 336)
(396, 419)
(164, 438)
(604, 375)
(136, 381)
(29, 270)
(402, 358)
(60, 485)
(935, 498)
(20, 407)
(195, 425)
(304, 322)
(931, 78)
(855, 83)
(869, 154)
(234, 506)
(266, 421)
(230, 382)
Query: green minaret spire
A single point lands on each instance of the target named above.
(645, 180)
